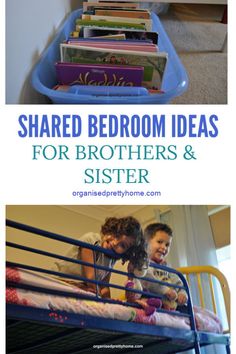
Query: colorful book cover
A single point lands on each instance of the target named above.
(154, 63)
(146, 22)
(122, 13)
(123, 43)
(119, 36)
(109, 24)
(98, 74)
(91, 5)
(111, 44)
(123, 8)
(95, 32)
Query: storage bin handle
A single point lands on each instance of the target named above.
(107, 90)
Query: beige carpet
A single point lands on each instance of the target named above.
(198, 37)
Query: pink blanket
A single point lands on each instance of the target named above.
(205, 320)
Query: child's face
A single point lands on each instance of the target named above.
(119, 244)
(159, 246)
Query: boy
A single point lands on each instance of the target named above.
(159, 238)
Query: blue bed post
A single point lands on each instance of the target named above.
(227, 347)
(192, 319)
(196, 343)
(95, 271)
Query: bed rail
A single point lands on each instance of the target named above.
(71, 277)
(212, 274)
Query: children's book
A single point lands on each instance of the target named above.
(121, 8)
(108, 24)
(123, 45)
(98, 74)
(154, 64)
(146, 22)
(122, 13)
(119, 36)
(126, 43)
(96, 32)
(105, 40)
(90, 5)
(74, 36)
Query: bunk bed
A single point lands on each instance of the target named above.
(41, 318)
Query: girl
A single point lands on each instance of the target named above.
(123, 236)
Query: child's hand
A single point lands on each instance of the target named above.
(130, 296)
(171, 294)
(182, 299)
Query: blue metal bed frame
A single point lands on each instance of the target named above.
(77, 328)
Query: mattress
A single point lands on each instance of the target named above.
(205, 320)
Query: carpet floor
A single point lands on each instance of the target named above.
(199, 39)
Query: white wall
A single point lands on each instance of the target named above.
(30, 26)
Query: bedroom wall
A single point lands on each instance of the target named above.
(30, 26)
(220, 223)
(51, 218)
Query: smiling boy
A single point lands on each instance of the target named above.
(159, 239)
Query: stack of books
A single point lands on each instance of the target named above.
(112, 45)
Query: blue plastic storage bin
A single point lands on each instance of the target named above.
(175, 80)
